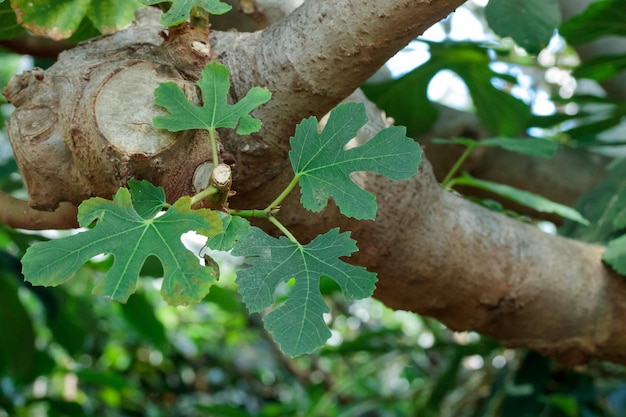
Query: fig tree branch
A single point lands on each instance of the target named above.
(312, 60)
(17, 213)
(440, 255)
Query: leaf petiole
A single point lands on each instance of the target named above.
(448, 181)
(283, 229)
(216, 159)
(259, 214)
(284, 194)
(204, 194)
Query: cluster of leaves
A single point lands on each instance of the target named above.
(596, 114)
(322, 168)
(602, 18)
(406, 99)
(142, 358)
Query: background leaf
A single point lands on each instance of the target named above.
(9, 28)
(530, 23)
(406, 99)
(615, 254)
(297, 325)
(601, 68)
(185, 280)
(233, 229)
(17, 350)
(139, 313)
(323, 167)
(60, 19)
(215, 112)
(603, 206)
(180, 10)
(601, 18)
(525, 198)
(534, 147)
(69, 317)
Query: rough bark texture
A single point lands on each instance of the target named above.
(435, 253)
(311, 61)
(84, 126)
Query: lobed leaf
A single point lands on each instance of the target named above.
(131, 237)
(234, 228)
(298, 325)
(180, 10)
(215, 112)
(323, 166)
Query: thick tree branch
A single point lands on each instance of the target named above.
(251, 15)
(472, 269)
(436, 253)
(17, 213)
(311, 61)
(439, 255)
